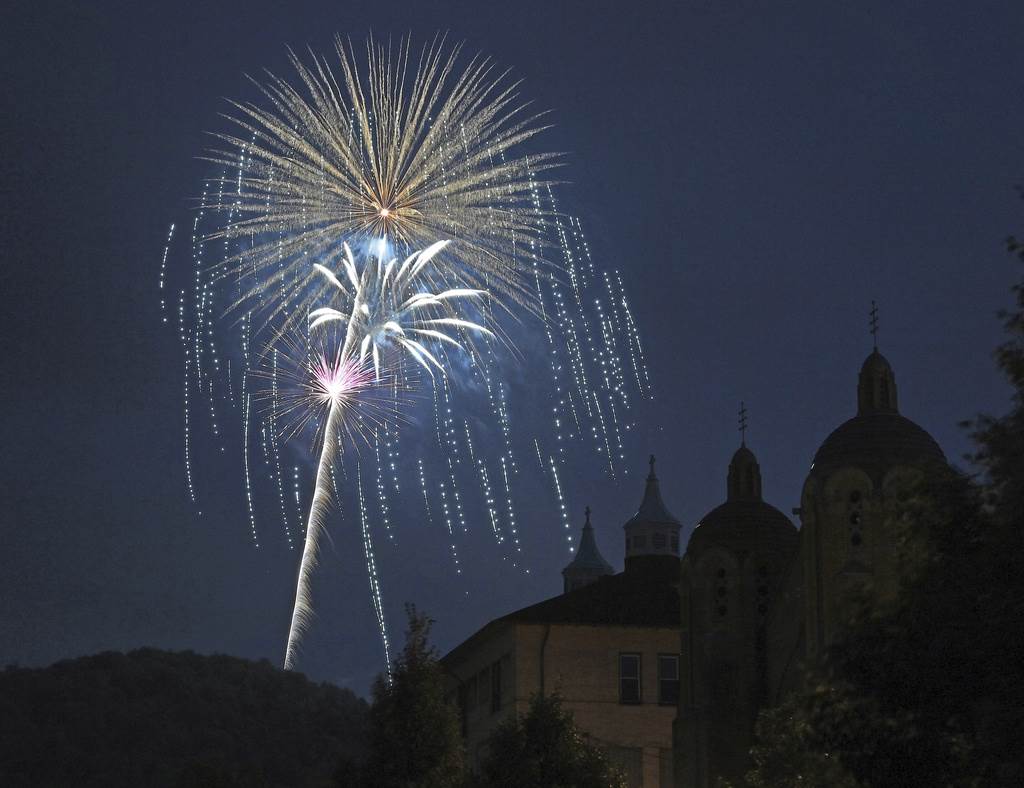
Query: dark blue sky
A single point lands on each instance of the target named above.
(760, 171)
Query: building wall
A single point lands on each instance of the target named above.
(728, 664)
(471, 685)
(581, 664)
(849, 547)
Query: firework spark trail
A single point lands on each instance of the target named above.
(448, 522)
(604, 433)
(382, 493)
(639, 363)
(334, 384)
(455, 495)
(371, 571)
(513, 528)
(302, 611)
(274, 443)
(296, 494)
(385, 311)
(423, 488)
(187, 420)
(248, 480)
(163, 273)
(561, 502)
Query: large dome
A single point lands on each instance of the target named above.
(877, 441)
(878, 437)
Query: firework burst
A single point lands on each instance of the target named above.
(409, 151)
(389, 157)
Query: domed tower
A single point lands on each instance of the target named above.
(735, 565)
(652, 534)
(588, 564)
(848, 545)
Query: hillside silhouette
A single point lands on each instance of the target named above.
(159, 718)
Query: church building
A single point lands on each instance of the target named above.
(667, 664)
(609, 645)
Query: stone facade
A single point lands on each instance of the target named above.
(758, 598)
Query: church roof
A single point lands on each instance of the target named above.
(587, 555)
(629, 599)
(652, 508)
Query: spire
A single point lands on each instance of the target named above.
(588, 564)
(744, 480)
(652, 508)
(876, 387)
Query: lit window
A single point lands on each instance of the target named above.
(629, 678)
(668, 679)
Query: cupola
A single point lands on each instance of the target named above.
(653, 532)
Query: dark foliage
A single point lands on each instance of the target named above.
(544, 749)
(930, 691)
(158, 718)
(414, 730)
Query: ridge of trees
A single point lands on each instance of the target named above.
(161, 718)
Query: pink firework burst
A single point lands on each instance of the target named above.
(335, 379)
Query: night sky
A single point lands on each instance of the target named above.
(760, 172)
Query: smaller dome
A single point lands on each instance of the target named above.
(740, 526)
(744, 522)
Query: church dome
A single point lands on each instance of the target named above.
(745, 522)
(877, 441)
(878, 437)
